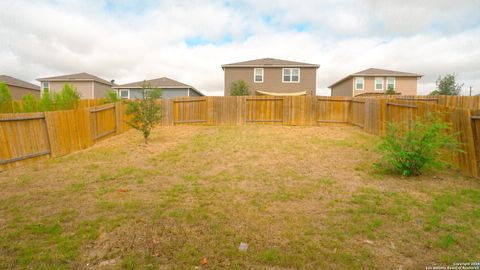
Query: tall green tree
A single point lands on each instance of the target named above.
(111, 96)
(68, 98)
(146, 112)
(46, 102)
(5, 99)
(29, 103)
(447, 86)
(239, 88)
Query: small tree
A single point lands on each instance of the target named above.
(447, 86)
(68, 98)
(5, 99)
(111, 96)
(390, 90)
(29, 103)
(145, 112)
(46, 102)
(239, 88)
(411, 150)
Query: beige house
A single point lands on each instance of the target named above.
(89, 86)
(19, 88)
(270, 76)
(170, 89)
(375, 81)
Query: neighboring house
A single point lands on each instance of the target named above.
(170, 89)
(270, 76)
(19, 88)
(374, 80)
(89, 86)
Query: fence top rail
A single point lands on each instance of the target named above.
(189, 100)
(98, 109)
(334, 99)
(402, 105)
(407, 98)
(22, 118)
(252, 99)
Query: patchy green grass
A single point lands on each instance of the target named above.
(301, 197)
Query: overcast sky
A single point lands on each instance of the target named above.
(189, 40)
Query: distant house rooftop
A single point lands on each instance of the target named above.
(83, 76)
(269, 62)
(17, 82)
(378, 72)
(162, 82)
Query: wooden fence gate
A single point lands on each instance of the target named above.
(104, 121)
(189, 111)
(23, 141)
(264, 110)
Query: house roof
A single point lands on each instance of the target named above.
(378, 72)
(269, 62)
(17, 82)
(83, 76)
(162, 82)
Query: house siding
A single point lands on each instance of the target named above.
(84, 88)
(403, 85)
(344, 88)
(272, 80)
(18, 92)
(166, 93)
(101, 89)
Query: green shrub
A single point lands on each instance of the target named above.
(67, 99)
(46, 102)
(29, 103)
(5, 99)
(111, 96)
(145, 112)
(411, 150)
(390, 91)
(239, 88)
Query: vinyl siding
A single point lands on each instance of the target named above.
(344, 88)
(19, 92)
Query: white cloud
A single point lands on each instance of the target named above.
(129, 43)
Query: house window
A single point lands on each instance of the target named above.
(291, 75)
(379, 83)
(45, 86)
(359, 83)
(125, 93)
(258, 75)
(391, 83)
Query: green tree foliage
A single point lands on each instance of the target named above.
(29, 103)
(46, 102)
(447, 86)
(411, 150)
(239, 88)
(111, 96)
(145, 112)
(390, 91)
(5, 99)
(67, 99)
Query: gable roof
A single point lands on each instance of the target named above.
(83, 76)
(162, 82)
(269, 62)
(17, 82)
(378, 72)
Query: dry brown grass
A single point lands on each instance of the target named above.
(301, 197)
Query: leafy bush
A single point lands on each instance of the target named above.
(5, 98)
(448, 86)
(239, 88)
(390, 91)
(67, 99)
(410, 151)
(29, 103)
(146, 111)
(46, 102)
(111, 96)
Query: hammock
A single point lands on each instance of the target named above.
(302, 93)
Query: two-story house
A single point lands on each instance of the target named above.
(270, 76)
(89, 86)
(376, 81)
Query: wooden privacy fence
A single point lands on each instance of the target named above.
(30, 136)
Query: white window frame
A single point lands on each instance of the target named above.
(291, 75)
(394, 79)
(47, 87)
(255, 75)
(356, 83)
(375, 83)
(120, 93)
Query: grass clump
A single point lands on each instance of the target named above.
(411, 150)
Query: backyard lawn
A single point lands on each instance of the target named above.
(300, 197)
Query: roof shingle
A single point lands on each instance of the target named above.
(270, 62)
(17, 82)
(83, 76)
(378, 72)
